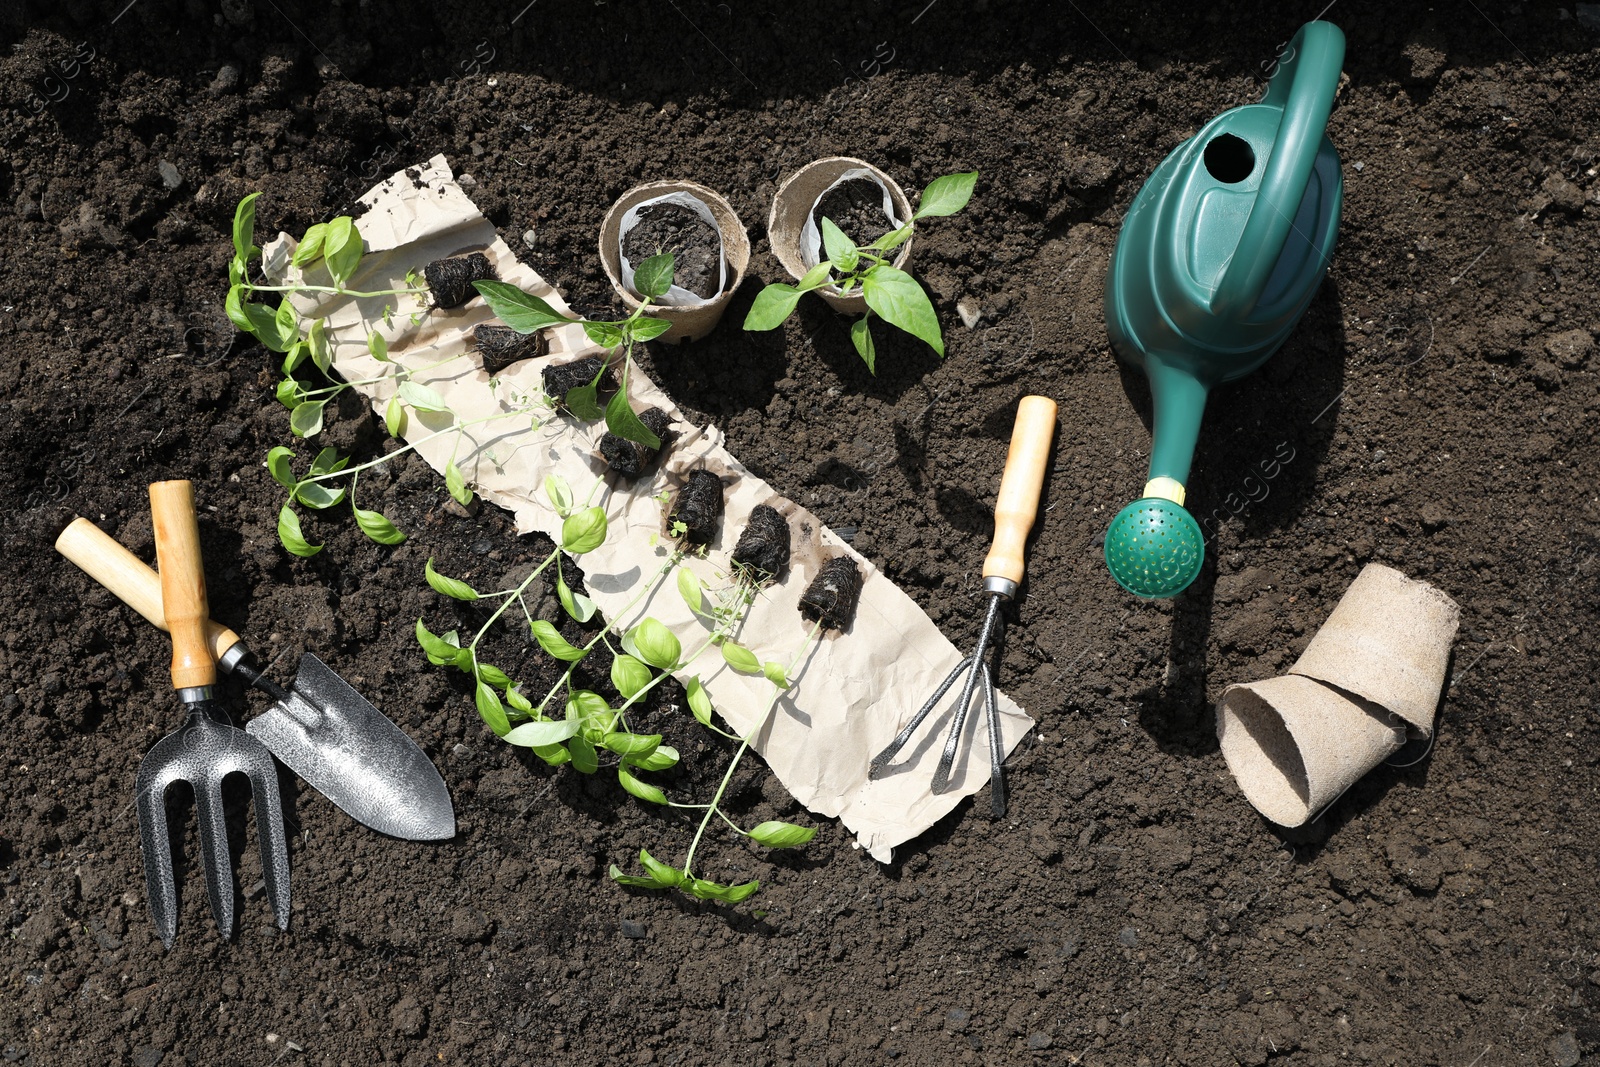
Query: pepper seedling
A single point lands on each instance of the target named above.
(527, 313)
(890, 293)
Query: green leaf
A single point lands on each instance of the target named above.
(421, 397)
(263, 323)
(782, 834)
(645, 328)
(699, 701)
(234, 305)
(434, 645)
(496, 677)
(521, 311)
(583, 531)
(378, 346)
(238, 270)
(554, 755)
(663, 757)
(306, 418)
(892, 240)
(280, 463)
(740, 658)
(553, 643)
(584, 402)
(585, 704)
(493, 712)
(656, 644)
(629, 675)
(947, 195)
(621, 420)
(289, 533)
(642, 790)
(816, 277)
(577, 605)
(310, 246)
(861, 337)
(542, 733)
(653, 277)
(288, 324)
(316, 495)
(632, 879)
(341, 248)
(317, 343)
(775, 673)
(731, 893)
(328, 462)
(636, 746)
(900, 301)
(840, 248)
(517, 701)
(450, 587)
(584, 757)
(244, 228)
(456, 484)
(665, 875)
(295, 356)
(772, 305)
(689, 589)
(604, 334)
(376, 525)
(288, 393)
(394, 416)
(559, 493)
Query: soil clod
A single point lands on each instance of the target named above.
(562, 378)
(856, 207)
(629, 458)
(832, 596)
(691, 239)
(450, 280)
(763, 548)
(501, 346)
(699, 507)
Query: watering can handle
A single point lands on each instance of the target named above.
(1303, 87)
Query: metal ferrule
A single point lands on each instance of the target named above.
(197, 693)
(1003, 587)
(230, 659)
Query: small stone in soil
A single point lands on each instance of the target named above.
(561, 379)
(763, 548)
(450, 280)
(691, 240)
(501, 346)
(856, 207)
(629, 458)
(832, 596)
(699, 506)
(633, 929)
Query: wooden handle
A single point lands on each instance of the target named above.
(104, 559)
(183, 582)
(1020, 486)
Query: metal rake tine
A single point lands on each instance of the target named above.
(881, 760)
(213, 827)
(160, 881)
(997, 756)
(269, 829)
(941, 773)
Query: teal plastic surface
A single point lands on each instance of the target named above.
(1226, 244)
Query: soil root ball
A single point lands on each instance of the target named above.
(629, 458)
(561, 379)
(450, 280)
(501, 346)
(699, 506)
(832, 596)
(763, 548)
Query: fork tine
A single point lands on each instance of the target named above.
(160, 882)
(213, 828)
(269, 829)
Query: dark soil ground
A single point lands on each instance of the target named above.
(856, 207)
(1435, 411)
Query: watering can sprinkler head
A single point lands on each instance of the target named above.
(1218, 259)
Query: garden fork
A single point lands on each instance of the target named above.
(208, 747)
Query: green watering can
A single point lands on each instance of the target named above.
(1217, 260)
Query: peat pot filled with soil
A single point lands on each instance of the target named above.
(707, 240)
(860, 199)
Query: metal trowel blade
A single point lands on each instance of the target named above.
(354, 755)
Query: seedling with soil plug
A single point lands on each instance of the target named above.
(528, 314)
(890, 292)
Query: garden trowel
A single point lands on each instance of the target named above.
(320, 728)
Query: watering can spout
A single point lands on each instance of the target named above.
(1302, 88)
